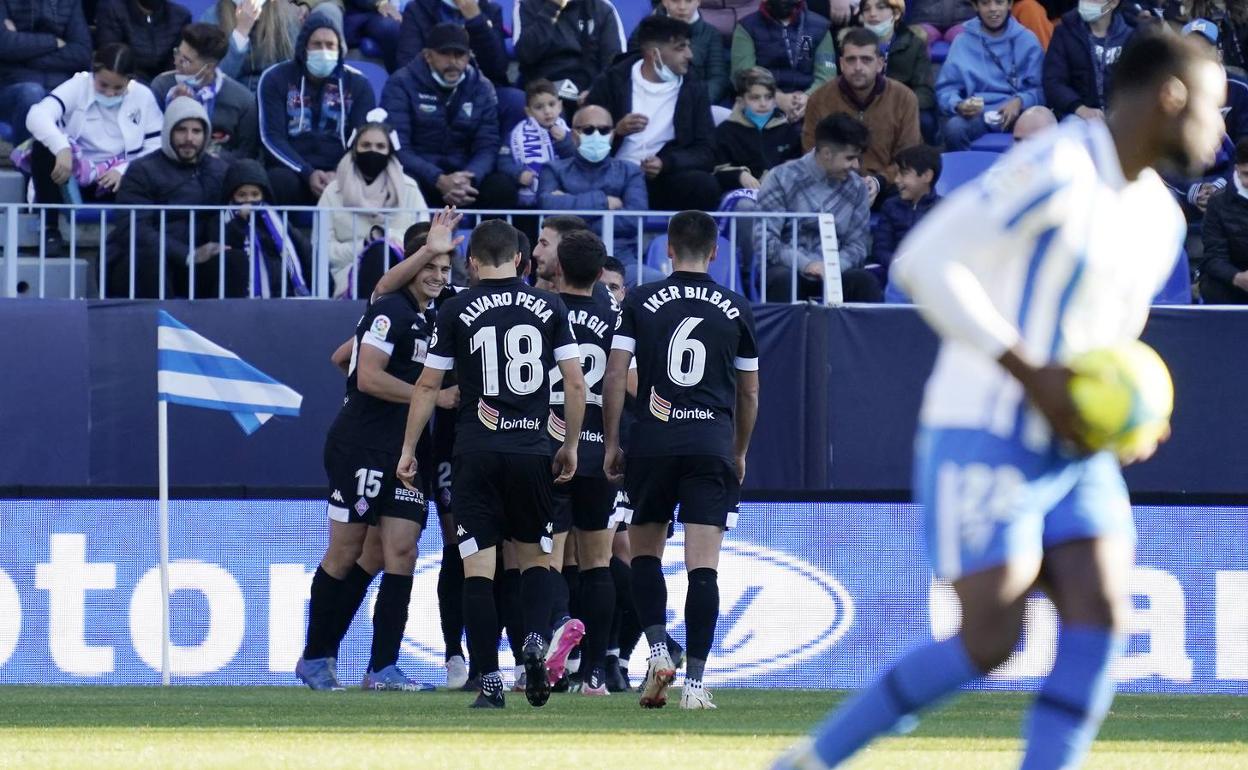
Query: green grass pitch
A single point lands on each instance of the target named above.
(191, 727)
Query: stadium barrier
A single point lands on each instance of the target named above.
(77, 273)
(840, 393)
(812, 595)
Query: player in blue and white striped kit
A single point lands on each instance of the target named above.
(1056, 251)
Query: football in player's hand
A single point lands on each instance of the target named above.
(1125, 396)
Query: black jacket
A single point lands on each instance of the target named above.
(1225, 234)
(576, 42)
(740, 146)
(238, 230)
(152, 37)
(691, 147)
(31, 55)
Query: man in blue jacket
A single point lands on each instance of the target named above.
(309, 106)
(1079, 65)
(446, 116)
(42, 43)
(993, 72)
(483, 20)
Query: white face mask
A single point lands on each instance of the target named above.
(883, 30)
(663, 71)
(1090, 10)
(259, 3)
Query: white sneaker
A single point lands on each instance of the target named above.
(801, 757)
(456, 672)
(659, 675)
(696, 697)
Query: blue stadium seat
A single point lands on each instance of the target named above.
(720, 269)
(631, 13)
(197, 7)
(1178, 287)
(958, 168)
(371, 48)
(993, 142)
(939, 51)
(6, 132)
(375, 73)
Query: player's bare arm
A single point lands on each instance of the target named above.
(373, 379)
(745, 416)
(573, 416)
(441, 240)
(1048, 387)
(341, 357)
(424, 396)
(614, 389)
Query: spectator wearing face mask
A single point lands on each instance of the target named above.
(666, 126)
(709, 63)
(791, 42)
(308, 108)
(230, 106)
(278, 256)
(481, 19)
(757, 136)
(261, 33)
(363, 245)
(1079, 65)
(88, 131)
(906, 57)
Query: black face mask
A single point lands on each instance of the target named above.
(781, 10)
(371, 164)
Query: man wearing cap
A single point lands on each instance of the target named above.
(446, 116)
(1079, 63)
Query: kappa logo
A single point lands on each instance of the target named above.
(759, 587)
(557, 428)
(487, 414)
(659, 406)
(336, 497)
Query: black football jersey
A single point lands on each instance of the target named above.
(690, 337)
(593, 321)
(394, 324)
(502, 338)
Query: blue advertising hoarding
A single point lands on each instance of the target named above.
(812, 595)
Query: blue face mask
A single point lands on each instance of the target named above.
(759, 119)
(109, 102)
(664, 72)
(594, 147)
(443, 82)
(322, 63)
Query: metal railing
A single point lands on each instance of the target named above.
(89, 265)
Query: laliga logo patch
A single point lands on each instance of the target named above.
(659, 407)
(758, 587)
(380, 327)
(557, 428)
(487, 414)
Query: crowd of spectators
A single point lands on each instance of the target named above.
(779, 107)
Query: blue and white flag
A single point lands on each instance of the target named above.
(195, 371)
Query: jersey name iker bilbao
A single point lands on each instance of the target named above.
(704, 293)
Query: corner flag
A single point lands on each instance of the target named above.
(194, 371)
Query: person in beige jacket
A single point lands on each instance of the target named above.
(363, 244)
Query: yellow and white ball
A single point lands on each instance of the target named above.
(1124, 395)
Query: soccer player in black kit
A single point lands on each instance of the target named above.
(361, 451)
(502, 338)
(697, 398)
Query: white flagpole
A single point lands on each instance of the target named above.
(163, 443)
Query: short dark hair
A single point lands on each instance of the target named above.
(1151, 56)
(115, 57)
(565, 223)
(920, 159)
(1241, 152)
(657, 30)
(539, 86)
(415, 237)
(862, 38)
(493, 243)
(525, 247)
(692, 235)
(749, 77)
(841, 130)
(613, 265)
(208, 40)
(581, 256)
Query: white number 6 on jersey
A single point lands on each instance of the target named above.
(686, 357)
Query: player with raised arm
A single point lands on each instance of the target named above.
(697, 398)
(1056, 251)
(502, 337)
(366, 503)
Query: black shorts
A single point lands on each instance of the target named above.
(363, 486)
(502, 497)
(704, 486)
(585, 502)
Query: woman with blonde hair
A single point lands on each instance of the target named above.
(363, 244)
(261, 32)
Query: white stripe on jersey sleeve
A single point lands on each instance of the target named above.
(564, 352)
(441, 363)
(371, 339)
(745, 364)
(620, 342)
